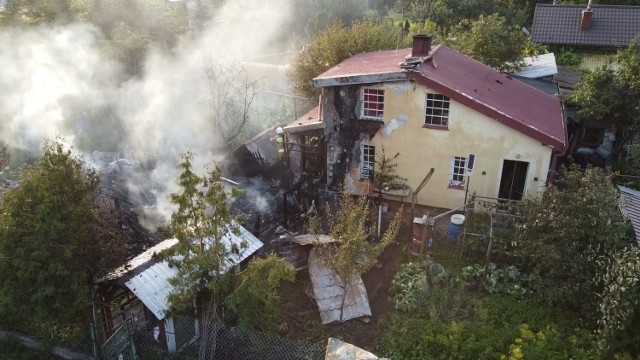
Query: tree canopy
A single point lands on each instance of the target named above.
(613, 91)
(56, 235)
(200, 222)
(338, 43)
(490, 40)
(573, 224)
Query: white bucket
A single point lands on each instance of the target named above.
(457, 219)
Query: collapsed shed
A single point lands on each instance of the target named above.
(137, 293)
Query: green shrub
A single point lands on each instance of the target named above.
(550, 344)
(494, 280)
(413, 282)
(566, 57)
(408, 337)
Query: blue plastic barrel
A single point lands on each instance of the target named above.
(455, 228)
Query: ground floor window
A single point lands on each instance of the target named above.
(367, 161)
(457, 171)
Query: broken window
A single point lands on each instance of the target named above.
(372, 103)
(456, 174)
(437, 110)
(367, 161)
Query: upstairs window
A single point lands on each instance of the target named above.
(457, 171)
(437, 111)
(367, 161)
(372, 103)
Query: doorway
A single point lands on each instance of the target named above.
(513, 180)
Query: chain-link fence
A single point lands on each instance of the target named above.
(181, 340)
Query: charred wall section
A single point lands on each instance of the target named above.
(344, 131)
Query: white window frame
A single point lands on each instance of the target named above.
(457, 171)
(437, 107)
(372, 109)
(367, 161)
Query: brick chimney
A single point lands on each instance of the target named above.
(587, 16)
(585, 20)
(421, 45)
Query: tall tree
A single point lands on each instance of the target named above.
(353, 254)
(490, 40)
(56, 236)
(200, 222)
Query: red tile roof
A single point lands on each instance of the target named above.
(469, 82)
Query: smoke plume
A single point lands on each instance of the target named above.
(56, 81)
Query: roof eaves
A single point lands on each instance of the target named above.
(358, 79)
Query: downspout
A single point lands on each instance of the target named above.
(558, 155)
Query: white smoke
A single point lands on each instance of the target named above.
(50, 77)
(42, 71)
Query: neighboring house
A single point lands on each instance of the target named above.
(603, 28)
(435, 107)
(136, 293)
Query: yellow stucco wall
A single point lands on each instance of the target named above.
(469, 132)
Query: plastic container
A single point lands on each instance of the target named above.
(455, 227)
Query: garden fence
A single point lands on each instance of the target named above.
(220, 342)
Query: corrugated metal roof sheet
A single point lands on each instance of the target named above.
(612, 25)
(547, 87)
(328, 293)
(152, 287)
(340, 350)
(471, 83)
(630, 208)
(539, 66)
(309, 239)
(139, 260)
(151, 284)
(263, 149)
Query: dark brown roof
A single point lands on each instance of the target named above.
(480, 87)
(612, 25)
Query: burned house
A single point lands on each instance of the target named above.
(480, 130)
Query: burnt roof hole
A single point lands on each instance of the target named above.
(499, 82)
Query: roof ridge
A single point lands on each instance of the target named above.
(584, 6)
